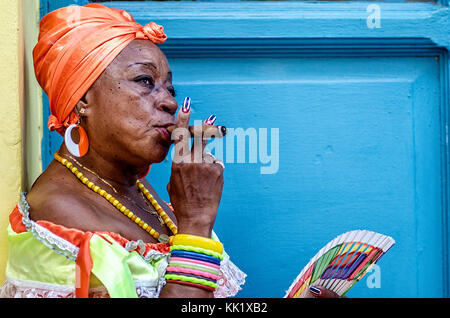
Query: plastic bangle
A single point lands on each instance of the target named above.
(191, 284)
(197, 256)
(214, 281)
(192, 271)
(194, 261)
(196, 249)
(207, 269)
(190, 279)
(198, 241)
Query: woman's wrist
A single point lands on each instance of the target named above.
(200, 223)
(195, 228)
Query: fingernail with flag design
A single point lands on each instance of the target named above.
(210, 121)
(186, 105)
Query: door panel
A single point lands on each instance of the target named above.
(361, 117)
(359, 148)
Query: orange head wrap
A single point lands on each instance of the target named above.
(75, 46)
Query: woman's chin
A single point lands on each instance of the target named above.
(158, 153)
(154, 150)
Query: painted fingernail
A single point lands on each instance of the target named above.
(315, 290)
(210, 121)
(186, 105)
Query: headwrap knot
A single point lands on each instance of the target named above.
(154, 32)
(54, 123)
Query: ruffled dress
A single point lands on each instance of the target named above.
(50, 260)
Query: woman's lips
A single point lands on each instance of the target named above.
(165, 134)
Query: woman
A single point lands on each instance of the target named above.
(69, 236)
(91, 225)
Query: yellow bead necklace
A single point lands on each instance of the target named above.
(154, 213)
(119, 206)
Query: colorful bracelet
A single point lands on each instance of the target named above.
(198, 241)
(192, 271)
(193, 261)
(196, 256)
(197, 249)
(186, 278)
(189, 265)
(208, 288)
(206, 279)
(197, 276)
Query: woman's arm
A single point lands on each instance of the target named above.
(195, 190)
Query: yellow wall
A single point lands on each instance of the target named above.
(19, 95)
(11, 91)
(33, 96)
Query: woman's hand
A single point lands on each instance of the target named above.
(195, 186)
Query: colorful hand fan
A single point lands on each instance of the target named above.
(341, 263)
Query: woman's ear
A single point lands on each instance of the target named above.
(84, 104)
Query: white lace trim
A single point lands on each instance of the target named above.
(16, 288)
(231, 279)
(229, 285)
(138, 245)
(45, 236)
(154, 255)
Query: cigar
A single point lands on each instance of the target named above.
(212, 131)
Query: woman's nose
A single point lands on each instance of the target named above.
(169, 107)
(168, 104)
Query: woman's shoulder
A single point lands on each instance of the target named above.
(60, 198)
(55, 198)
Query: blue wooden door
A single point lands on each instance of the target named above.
(339, 122)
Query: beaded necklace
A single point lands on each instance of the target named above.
(119, 206)
(154, 213)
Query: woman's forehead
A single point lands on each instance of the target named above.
(140, 52)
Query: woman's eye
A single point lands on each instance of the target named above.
(172, 91)
(145, 80)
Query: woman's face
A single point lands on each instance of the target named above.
(128, 104)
